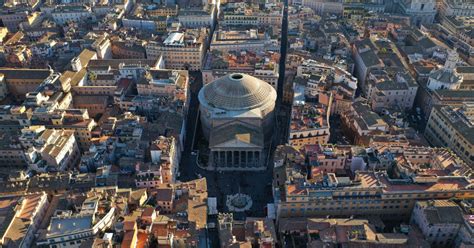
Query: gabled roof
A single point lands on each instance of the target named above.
(21, 73)
(85, 56)
(238, 134)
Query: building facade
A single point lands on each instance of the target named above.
(453, 127)
(439, 221)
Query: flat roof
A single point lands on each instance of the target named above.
(69, 224)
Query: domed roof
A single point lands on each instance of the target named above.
(446, 76)
(237, 92)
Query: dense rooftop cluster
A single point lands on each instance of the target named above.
(186, 123)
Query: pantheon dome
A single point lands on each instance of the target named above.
(237, 97)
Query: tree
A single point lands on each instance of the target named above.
(152, 242)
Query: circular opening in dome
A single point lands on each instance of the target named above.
(236, 76)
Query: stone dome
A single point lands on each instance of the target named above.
(237, 92)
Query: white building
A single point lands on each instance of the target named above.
(49, 149)
(103, 47)
(197, 18)
(457, 8)
(322, 7)
(64, 14)
(420, 11)
(439, 221)
(71, 230)
(446, 77)
(391, 91)
(140, 24)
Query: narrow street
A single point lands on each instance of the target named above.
(283, 111)
(187, 163)
(283, 51)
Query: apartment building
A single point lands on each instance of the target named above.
(228, 38)
(261, 64)
(128, 50)
(360, 122)
(144, 23)
(11, 152)
(103, 47)
(166, 151)
(438, 220)
(247, 14)
(456, 8)
(309, 125)
(108, 72)
(19, 81)
(303, 188)
(368, 193)
(168, 83)
(391, 90)
(63, 14)
(453, 127)
(22, 216)
(366, 59)
(254, 231)
(49, 149)
(16, 19)
(76, 120)
(322, 7)
(328, 158)
(163, 10)
(180, 50)
(74, 228)
(344, 232)
(198, 17)
(467, 74)
(94, 104)
(322, 80)
(465, 235)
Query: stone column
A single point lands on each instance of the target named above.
(241, 159)
(246, 158)
(225, 162)
(257, 162)
(236, 156)
(252, 155)
(212, 158)
(256, 158)
(234, 159)
(251, 158)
